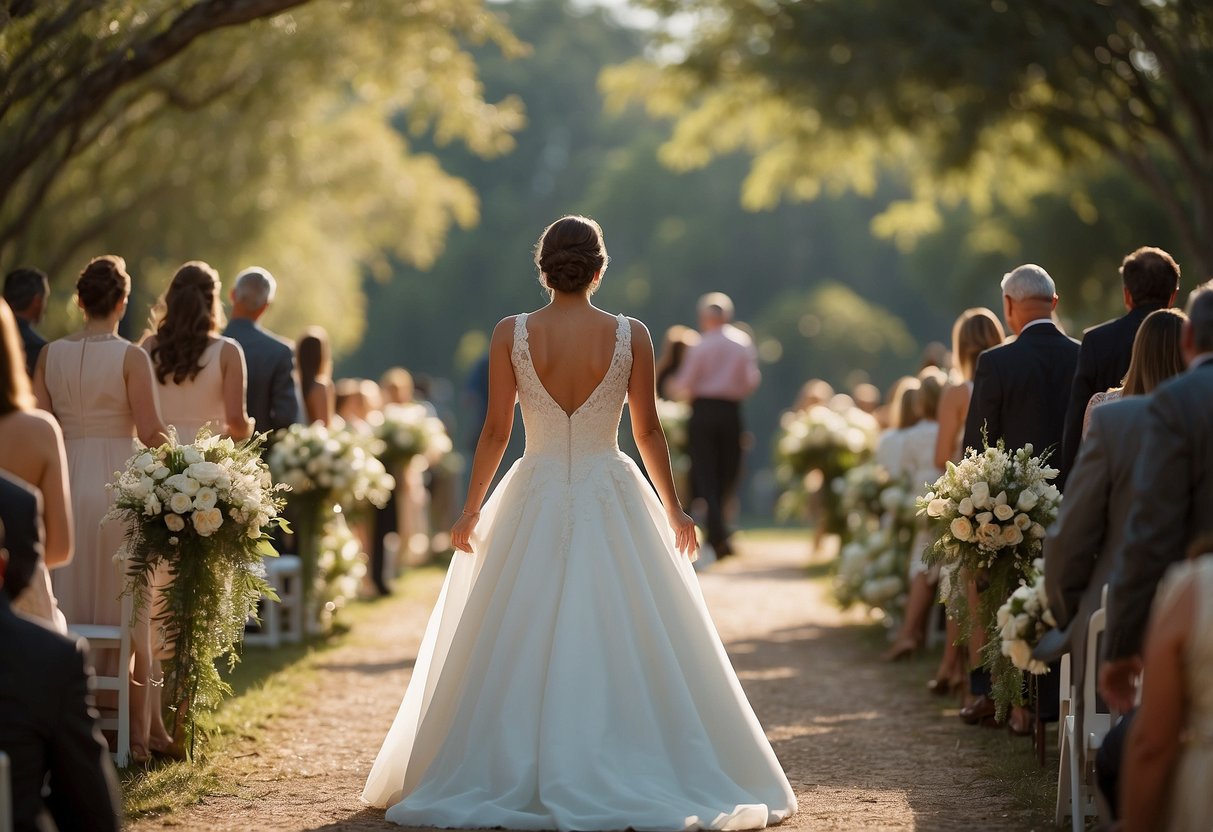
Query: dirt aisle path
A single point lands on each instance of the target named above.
(863, 749)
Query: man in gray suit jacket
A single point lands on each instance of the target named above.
(1172, 499)
(271, 360)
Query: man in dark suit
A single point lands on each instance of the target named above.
(1172, 499)
(270, 360)
(1151, 279)
(48, 726)
(26, 291)
(1020, 393)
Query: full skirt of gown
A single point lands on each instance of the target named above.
(570, 676)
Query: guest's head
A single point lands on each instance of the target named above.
(351, 404)
(903, 403)
(571, 256)
(931, 382)
(975, 331)
(1156, 352)
(252, 293)
(678, 339)
(315, 360)
(1197, 336)
(184, 320)
(866, 396)
(26, 291)
(397, 386)
(1028, 294)
(14, 381)
(371, 395)
(813, 392)
(935, 354)
(715, 310)
(1151, 278)
(103, 288)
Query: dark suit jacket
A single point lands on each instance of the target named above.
(1172, 503)
(271, 375)
(1021, 390)
(21, 514)
(32, 342)
(48, 728)
(1102, 364)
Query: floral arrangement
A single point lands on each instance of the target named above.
(988, 515)
(1023, 620)
(407, 430)
(675, 417)
(815, 447)
(339, 567)
(872, 570)
(200, 514)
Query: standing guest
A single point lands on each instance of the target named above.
(33, 452)
(813, 392)
(1150, 280)
(678, 339)
(717, 374)
(867, 397)
(270, 360)
(1020, 394)
(316, 376)
(397, 387)
(975, 331)
(26, 291)
(101, 389)
(60, 775)
(903, 415)
(1172, 490)
(1080, 549)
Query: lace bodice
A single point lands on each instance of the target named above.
(593, 428)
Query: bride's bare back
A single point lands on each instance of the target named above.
(571, 348)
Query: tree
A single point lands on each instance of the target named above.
(981, 103)
(284, 141)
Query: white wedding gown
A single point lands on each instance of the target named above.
(570, 676)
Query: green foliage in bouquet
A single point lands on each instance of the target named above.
(408, 430)
(198, 520)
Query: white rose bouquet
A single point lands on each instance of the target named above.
(872, 570)
(204, 511)
(1024, 619)
(823, 440)
(341, 563)
(408, 430)
(675, 417)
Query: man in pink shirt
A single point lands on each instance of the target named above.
(716, 375)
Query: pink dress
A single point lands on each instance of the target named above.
(198, 401)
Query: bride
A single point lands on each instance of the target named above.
(570, 676)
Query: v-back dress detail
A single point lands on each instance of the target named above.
(570, 676)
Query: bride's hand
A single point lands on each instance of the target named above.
(461, 532)
(684, 532)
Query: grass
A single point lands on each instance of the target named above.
(265, 683)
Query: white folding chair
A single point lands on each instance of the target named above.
(111, 637)
(1083, 737)
(6, 795)
(281, 621)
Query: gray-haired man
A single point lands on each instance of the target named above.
(271, 360)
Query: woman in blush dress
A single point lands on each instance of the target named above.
(201, 381)
(678, 339)
(570, 676)
(32, 451)
(101, 389)
(316, 376)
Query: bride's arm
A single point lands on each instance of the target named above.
(498, 424)
(650, 438)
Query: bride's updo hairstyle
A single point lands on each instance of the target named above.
(569, 253)
(103, 285)
(184, 321)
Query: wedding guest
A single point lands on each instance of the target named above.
(33, 452)
(917, 466)
(717, 374)
(1172, 488)
(26, 292)
(678, 339)
(101, 389)
(975, 331)
(1150, 279)
(1154, 361)
(397, 386)
(316, 376)
(903, 415)
(60, 773)
(270, 360)
(352, 405)
(1020, 394)
(1169, 753)
(813, 392)
(1080, 548)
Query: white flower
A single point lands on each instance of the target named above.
(962, 529)
(184, 484)
(984, 518)
(207, 521)
(180, 503)
(937, 507)
(151, 506)
(205, 498)
(1004, 512)
(160, 473)
(1001, 499)
(1036, 531)
(173, 541)
(191, 455)
(981, 494)
(1020, 653)
(144, 462)
(174, 522)
(966, 507)
(253, 532)
(989, 536)
(1027, 500)
(205, 472)
(1023, 522)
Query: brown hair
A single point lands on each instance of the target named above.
(1156, 353)
(569, 253)
(314, 359)
(975, 331)
(184, 320)
(102, 285)
(1151, 276)
(902, 410)
(14, 383)
(931, 383)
